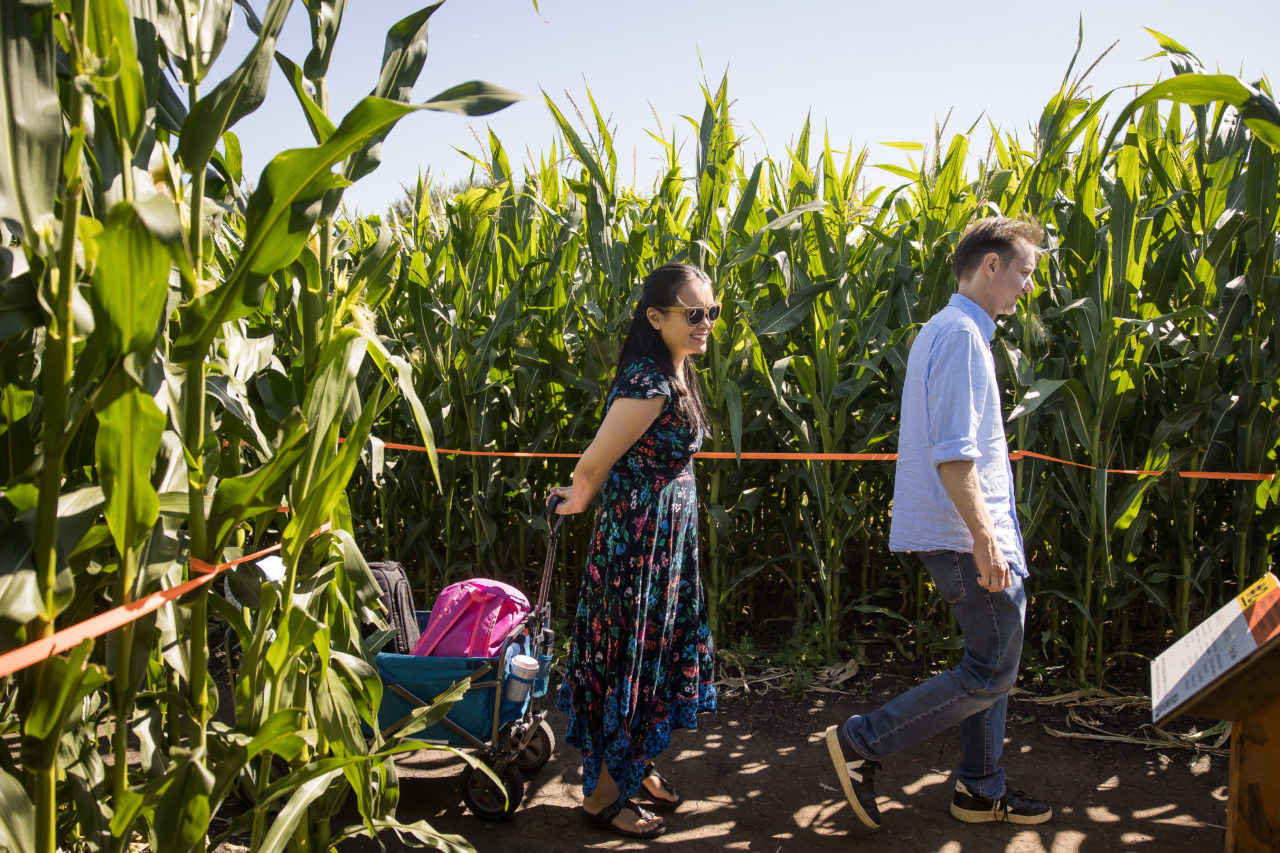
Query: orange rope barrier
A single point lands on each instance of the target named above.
(514, 453)
(706, 454)
(95, 626)
(799, 457)
(1196, 475)
(1014, 455)
(1225, 475)
(67, 638)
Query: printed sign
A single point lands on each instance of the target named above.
(1215, 646)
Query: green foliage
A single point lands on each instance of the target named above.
(181, 356)
(1145, 346)
(188, 354)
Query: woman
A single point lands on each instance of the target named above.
(640, 663)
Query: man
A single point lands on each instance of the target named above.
(953, 507)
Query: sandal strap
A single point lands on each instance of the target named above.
(611, 811)
(643, 813)
(604, 819)
(667, 787)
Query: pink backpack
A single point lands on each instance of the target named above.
(471, 618)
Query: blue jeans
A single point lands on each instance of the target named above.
(974, 695)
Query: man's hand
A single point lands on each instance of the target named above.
(960, 479)
(993, 568)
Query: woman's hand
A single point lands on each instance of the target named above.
(566, 506)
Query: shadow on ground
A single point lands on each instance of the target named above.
(756, 777)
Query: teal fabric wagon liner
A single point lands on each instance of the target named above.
(411, 682)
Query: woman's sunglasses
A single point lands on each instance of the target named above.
(696, 314)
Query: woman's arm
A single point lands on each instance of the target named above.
(626, 421)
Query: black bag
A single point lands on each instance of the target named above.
(397, 599)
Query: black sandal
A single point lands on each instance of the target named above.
(659, 803)
(604, 818)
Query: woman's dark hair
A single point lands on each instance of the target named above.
(660, 289)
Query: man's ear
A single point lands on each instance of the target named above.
(991, 263)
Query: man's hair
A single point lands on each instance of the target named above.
(998, 234)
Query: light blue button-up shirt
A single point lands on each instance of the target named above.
(951, 410)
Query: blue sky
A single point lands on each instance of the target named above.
(864, 72)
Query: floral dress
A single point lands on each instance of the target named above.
(640, 663)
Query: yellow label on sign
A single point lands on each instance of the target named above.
(1258, 591)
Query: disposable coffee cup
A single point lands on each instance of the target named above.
(520, 674)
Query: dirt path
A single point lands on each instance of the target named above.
(756, 777)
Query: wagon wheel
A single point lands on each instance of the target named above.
(486, 799)
(537, 752)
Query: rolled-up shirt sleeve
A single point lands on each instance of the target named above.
(957, 392)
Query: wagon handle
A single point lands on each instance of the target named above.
(554, 521)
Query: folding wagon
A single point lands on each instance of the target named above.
(511, 737)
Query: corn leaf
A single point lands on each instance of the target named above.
(1040, 392)
(420, 830)
(780, 222)
(282, 212)
(200, 24)
(403, 57)
(304, 794)
(131, 280)
(129, 429)
(31, 141)
(325, 17)
(17, 816)
(240, 497)
(583, 153)
(321, 125)
(182, 816)
(1260, 112)
(473, 98)
(63, 681)
(786, 314)
(110, 39)
(239, 94)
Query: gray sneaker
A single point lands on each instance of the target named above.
(857, 778)
(1012, 807)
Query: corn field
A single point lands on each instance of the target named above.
(1149, 344)
(188, 350)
